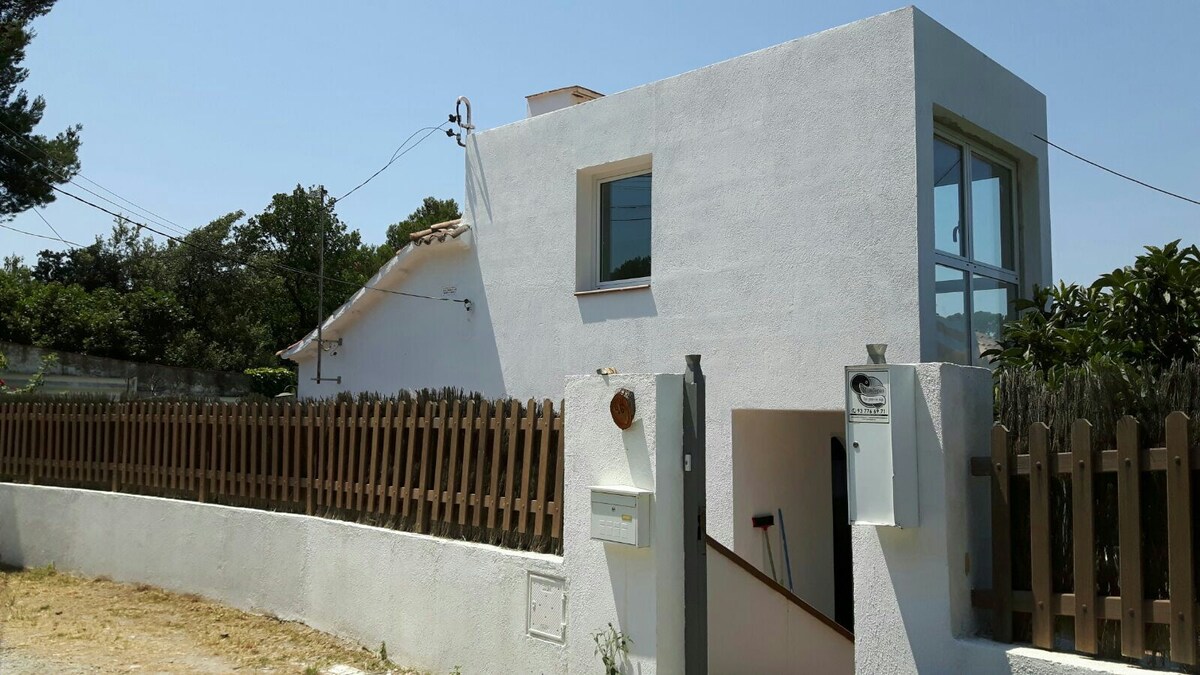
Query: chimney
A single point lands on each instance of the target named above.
(556, 99)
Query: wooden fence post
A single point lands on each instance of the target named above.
(559, 462)
(453, 426)
(205, 438)
(395, 428)
(423, 475)
(545, 430)
(1001, 537)
(1180, 564)
(408, 430)
(312, 476)
(1039, 532)
(464, 487)
(1129, 525)
(1083, 524)
(482, 426)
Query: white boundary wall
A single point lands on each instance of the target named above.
(437, 603)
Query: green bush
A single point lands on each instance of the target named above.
(1143, 315)
(271, 381)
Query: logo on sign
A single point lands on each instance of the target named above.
(870, 390)
(869, 397)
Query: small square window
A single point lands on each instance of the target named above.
(624, 230)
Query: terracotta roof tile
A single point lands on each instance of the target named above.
(451, 229)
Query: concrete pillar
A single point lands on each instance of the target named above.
(639, 590)
(912, 587)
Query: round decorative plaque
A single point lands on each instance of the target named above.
(623, 408)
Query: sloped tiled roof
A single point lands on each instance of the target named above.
(389, 276)
(451, 229)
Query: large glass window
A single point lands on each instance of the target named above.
(624, 229)
(947, 198)
(975, 241)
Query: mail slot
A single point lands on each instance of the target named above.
(621, 515)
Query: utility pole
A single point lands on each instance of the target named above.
(321, 214)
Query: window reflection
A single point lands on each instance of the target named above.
(625, 228)
(950, 305)
(947, 198)
(991, 213)
(991, 306)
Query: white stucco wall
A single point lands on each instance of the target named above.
(753, 629)
(640, 590)
(437, 603)
(781, 460)
(394, 342)
(790, 227)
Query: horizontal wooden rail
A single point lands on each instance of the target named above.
(1152, 459)
(1108, 607)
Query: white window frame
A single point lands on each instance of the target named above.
(597, 219)
(968, 264)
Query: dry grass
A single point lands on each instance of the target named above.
(97, 625)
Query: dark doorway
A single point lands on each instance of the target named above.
(843, 565)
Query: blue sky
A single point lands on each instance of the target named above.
(195, 109)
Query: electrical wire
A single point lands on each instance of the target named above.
(395, 156)
(157, 219)
(39, 215)
(41, 236)
(281, 266)
(1117, 173)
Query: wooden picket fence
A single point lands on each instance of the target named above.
(1080, 464)
(471, 469)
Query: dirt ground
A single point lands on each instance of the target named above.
(55, 622)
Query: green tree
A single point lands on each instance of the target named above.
(228, 302)
(287, 236)
(29, 162)
(431, 212)
(1143, 316)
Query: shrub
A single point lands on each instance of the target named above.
(271, 381)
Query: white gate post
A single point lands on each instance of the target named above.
(639, 590)
(912, 587)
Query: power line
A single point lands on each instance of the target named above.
(39, 215)
(41, 236)
(281, 266)
(395, 156)
(160, 220)
(1117, 173)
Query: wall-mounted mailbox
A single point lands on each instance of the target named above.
(881, 444)
(621, 515)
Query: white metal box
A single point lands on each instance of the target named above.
(621, 514)
(881, 444)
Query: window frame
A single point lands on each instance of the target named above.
(970, 148)
(598, 220)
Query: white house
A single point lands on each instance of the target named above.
(774, 213)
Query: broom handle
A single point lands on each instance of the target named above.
(770, 557)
